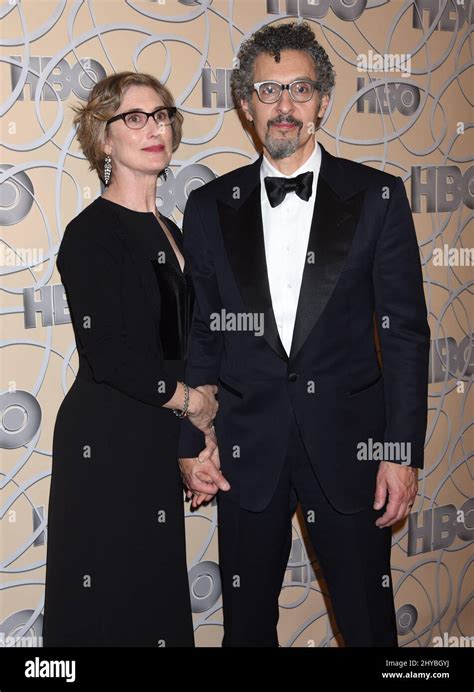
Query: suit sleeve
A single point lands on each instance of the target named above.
(205, 345)
(402, 325)
(91, 275)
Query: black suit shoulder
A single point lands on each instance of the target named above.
(360, 176)
(363, 171)
(225, 183)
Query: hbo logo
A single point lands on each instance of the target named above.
(315, 9)
(445, 188)
(448, 359)
(405, 98)
(80, 78)
(439, 527)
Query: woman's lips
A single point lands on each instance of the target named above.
(159, 147)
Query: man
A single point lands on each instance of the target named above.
(297, 259)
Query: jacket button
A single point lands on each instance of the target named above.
(292, 377)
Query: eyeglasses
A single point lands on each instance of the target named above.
(135, 120)
(300, 91)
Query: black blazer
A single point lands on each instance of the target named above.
(366, 264)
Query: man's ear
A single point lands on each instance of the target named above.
(245, 107)
(323, 106)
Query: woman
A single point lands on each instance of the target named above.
(116, 564)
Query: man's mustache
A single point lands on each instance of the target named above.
(285, 119)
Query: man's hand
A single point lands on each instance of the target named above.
(209, 453)
(401, 482)
(211, 450)
(201, 475)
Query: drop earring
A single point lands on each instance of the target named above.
(107, 169)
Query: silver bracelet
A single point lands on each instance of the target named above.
(184, 410)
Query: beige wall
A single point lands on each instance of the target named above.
(45, 182)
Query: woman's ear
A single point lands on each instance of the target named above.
(106, 147)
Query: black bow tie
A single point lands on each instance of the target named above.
(278, 187)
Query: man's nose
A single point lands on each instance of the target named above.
(285, 104)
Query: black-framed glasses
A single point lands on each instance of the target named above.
(135, 120)
(300, 90)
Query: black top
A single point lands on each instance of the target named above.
(176, 286)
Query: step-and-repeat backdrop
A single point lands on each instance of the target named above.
(402, 103)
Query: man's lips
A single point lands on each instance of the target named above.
(284, 126)
(158, 147)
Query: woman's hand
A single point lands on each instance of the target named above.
(203, 407)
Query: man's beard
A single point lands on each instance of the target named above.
(282, 147)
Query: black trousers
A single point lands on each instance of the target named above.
(353, 553)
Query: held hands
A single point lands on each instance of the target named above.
(401, 482)
(201, 475)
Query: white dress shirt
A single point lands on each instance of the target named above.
(286, 234)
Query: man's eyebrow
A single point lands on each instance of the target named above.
(305, 78)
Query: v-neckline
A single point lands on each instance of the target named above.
(178, 263)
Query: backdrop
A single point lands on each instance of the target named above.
(402, 103)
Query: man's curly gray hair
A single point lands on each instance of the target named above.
(272, 40)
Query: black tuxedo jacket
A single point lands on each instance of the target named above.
(362, 275)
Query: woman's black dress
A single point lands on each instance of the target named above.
(116, 570)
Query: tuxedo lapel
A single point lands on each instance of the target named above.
(242, 231)
(332, 229)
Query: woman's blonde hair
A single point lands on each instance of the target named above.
(104, 100)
